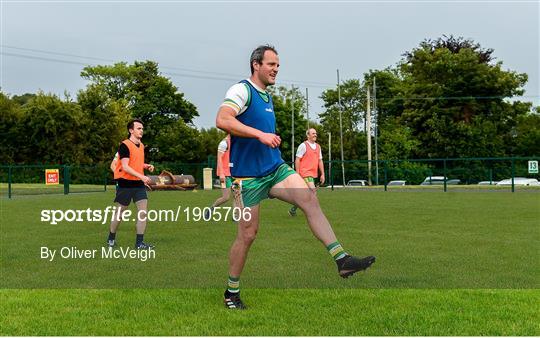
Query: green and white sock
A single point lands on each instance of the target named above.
(336, 251)
(233, 284)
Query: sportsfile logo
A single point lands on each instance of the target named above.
(110, 213)
(53, 216)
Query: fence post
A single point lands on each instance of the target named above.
(444, 174)
(66, 179)
(331, 176)
(513, 173)
(9, 182)
(385, 177)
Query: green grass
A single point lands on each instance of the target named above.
(272, 312)
(457, 263)
(22, 189)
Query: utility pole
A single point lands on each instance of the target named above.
(330, 159)
(376, 118)
(307, 109)
(368, 134)
(292, 127)
(341, 130)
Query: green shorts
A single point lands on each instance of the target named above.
(309, 179)
(251, 191)
(227, 184)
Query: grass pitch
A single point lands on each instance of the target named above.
(457, 263)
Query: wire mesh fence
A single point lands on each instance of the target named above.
(52, 179)
(32, 179)
(494, 174)
(503, 173)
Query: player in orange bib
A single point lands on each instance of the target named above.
(309, 163)
(130, 180)
(223, 171)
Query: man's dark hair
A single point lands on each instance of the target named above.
(258, 54)
(131, 124)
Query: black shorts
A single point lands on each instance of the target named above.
(125, 195)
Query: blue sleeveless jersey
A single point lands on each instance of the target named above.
(250, 157)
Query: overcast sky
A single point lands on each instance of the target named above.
(204, 47)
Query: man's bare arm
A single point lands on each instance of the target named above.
(297, 164)
(218, 165)
(226, 120)
(321, 171)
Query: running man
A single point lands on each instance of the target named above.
(309, 163)
(224, 173)
(259, 172)
(130, 178)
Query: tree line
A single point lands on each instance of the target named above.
(446, 98)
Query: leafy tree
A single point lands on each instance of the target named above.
(527, 135)
(450, 97)
(396, 141)
(210, 139)
(454, 99)
(147, 94)
(176, 142)
(353, 98)
(388, 87)
(11, 135)
(285, 100)
(52, 131)
(23, 99)
(104, 121)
